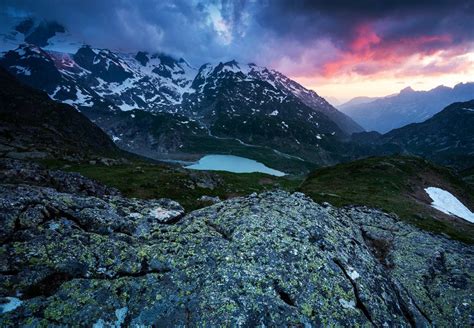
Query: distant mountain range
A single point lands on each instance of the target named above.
(356, 101)
(408, 106)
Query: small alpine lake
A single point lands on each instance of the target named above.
(231, 163)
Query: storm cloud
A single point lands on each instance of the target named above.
(302, 38)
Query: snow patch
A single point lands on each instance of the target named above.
(347, 304)
(126, 107)
(22, 70)
(447, 203)
(353, 273)
(81, 99)
(274, 113)
(12, 304)
(163, 214)
(120, 314)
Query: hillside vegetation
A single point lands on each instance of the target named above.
(394, 184)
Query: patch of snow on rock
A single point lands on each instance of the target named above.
(22, 70)
(274, 113)
(447, 203)
(120, 314)
(164, 215)
(353, 273)
(11, 305)
(347, 304)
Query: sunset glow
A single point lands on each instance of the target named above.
(339, 49)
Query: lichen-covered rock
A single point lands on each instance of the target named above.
(27, 172)
(274, 259)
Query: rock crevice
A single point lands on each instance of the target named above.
(271, 259)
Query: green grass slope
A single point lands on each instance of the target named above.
(394, 184)
(142, 179)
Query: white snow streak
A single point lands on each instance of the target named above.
(447, 203)
(12, 304)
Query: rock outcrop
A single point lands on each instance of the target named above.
(274, 259)
(31, 173)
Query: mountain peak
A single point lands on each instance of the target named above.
(142, 57)
(232, 63)
(407, 90)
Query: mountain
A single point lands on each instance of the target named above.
(447, 138)
(334, 101)
(261, 105)
(356, 101)
(246, 103)
(406, 107)
(155, 83)
(33, 125)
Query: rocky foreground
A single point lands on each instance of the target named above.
(76, 253)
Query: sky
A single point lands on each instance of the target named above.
(339, 48)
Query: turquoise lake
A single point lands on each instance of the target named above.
(233, 164)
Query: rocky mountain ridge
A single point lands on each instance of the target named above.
(151, 82)
(249, 103)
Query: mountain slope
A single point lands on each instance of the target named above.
(32, 125)
(228, 103)
(356, 101)
(407, 107)
(248, 102)
(394, 184)
(447, 137)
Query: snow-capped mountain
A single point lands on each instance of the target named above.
(275, 86)
(91, 77)
(253, 104)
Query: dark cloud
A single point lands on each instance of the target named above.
(180, 27)
(304, 35)
(338, 20)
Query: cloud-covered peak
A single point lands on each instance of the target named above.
(312, 40)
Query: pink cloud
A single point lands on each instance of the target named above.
(369, 54)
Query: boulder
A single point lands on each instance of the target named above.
(272, 259)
